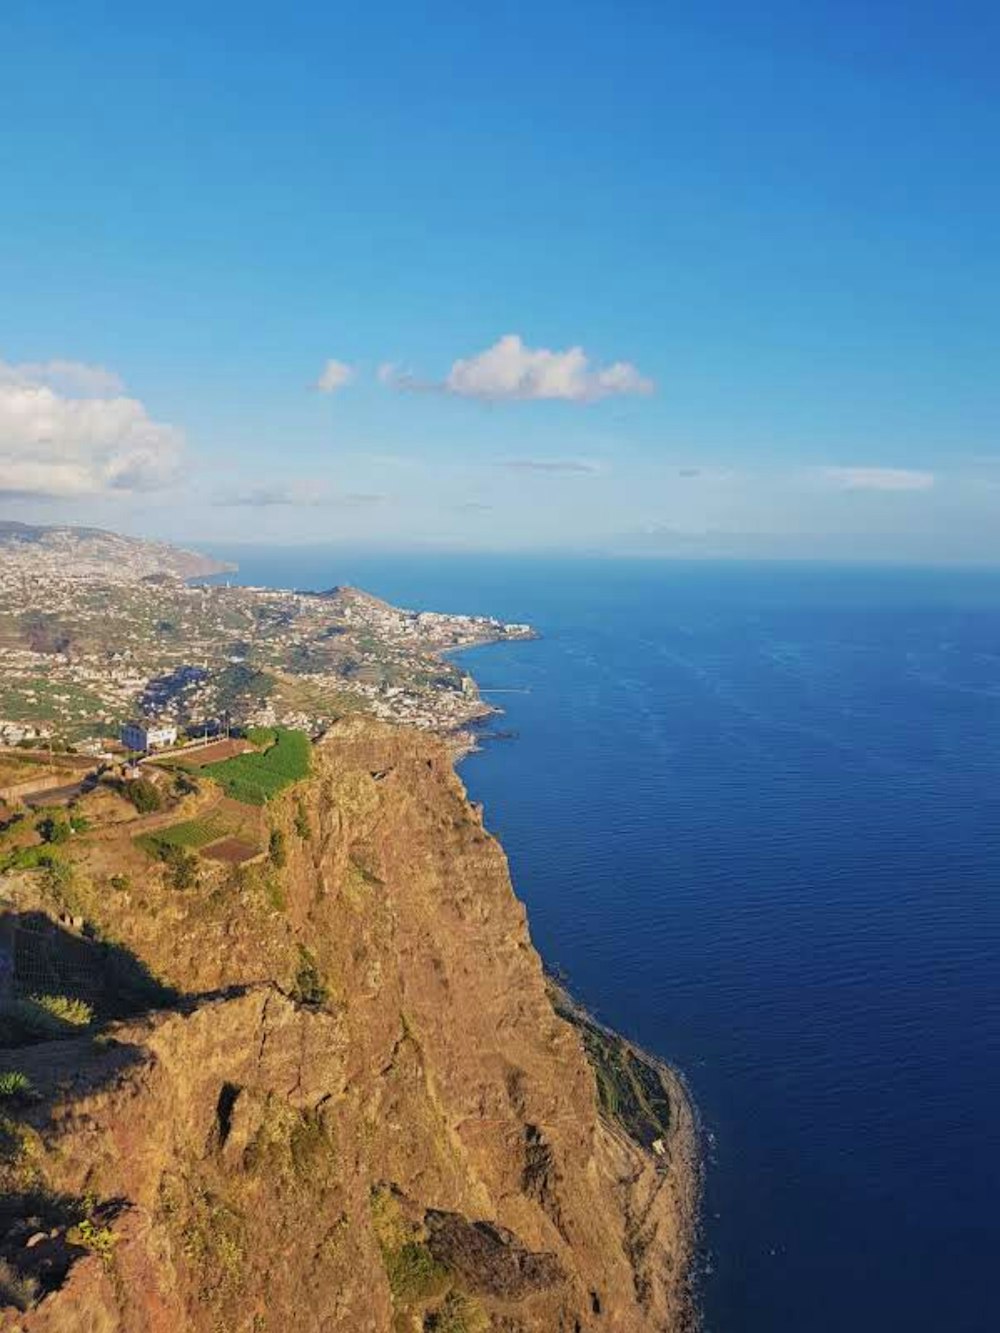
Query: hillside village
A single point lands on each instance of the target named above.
(97, 630)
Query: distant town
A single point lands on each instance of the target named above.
(105, 645)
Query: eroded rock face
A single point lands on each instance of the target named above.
(421, 1151)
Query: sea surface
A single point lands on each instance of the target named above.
(754, 812)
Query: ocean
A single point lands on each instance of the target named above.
(754, 811)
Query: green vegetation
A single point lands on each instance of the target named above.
(413, 1272)
(40, 699)
(41, 1018)
(19, 1290)
(170, 845)
(144, 795)
(239, 685)
(276, 848)
(261, 737)
(309, 987)
(458, 1314)
(52, 828)
(14, 1084)
(190, 834)
(302, 826)
(256, 777)
(66, 1009)
(31, 858)
(214, 1241)
(100, 1240)
(630, 1089)
(290, 1146)
(183, 867)
(414, 1275)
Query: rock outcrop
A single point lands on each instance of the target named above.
(360, 1112)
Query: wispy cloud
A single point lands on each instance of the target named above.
(575, 466)
(304, 494)
(878, 478)
(510, 371)
(67, 429)
(396, 376)
(76, 378)
(334, 376)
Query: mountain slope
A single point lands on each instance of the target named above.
(362, 1113)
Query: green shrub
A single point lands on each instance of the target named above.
(276, 848)
(53, 830)
(30, 858)
(413, 1272)
(100, 1240)
(309, 987)
(302, 825)
(183, 867)
(184, 783)
(14, 1084)
(120, 883)
(76, 1013)
(17, 1289)
(458, 1314)
(144, 795)
(23, 1021)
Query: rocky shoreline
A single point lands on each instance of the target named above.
(677, 1151)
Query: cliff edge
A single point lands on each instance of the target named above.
(346, 1102)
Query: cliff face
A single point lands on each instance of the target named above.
(362, 1113)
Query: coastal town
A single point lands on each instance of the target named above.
(100, 632)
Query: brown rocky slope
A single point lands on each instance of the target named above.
(361, 1112)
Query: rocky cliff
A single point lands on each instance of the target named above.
(353, 1108)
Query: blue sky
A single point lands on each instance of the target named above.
(772, 230)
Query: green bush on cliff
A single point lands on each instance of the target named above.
(66, 1009)
(302, 825)
(276, 848)
(14, 1084)
(17, 1289)
(309, 987)
(415, 1277)
(458, 1314)
(144, 795)
(414, 1274)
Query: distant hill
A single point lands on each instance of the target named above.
(83, 553)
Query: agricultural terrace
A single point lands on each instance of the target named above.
(259, 775)
(191, 835)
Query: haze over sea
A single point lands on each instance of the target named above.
(754, 812)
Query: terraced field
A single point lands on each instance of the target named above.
(225, 821)
(258, 775)
(191, 834)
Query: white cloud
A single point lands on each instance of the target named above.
(334, 375)
(510, 371)
(878, 478)
(55, 444)
(76, 378)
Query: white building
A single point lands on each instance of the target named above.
(148, 735)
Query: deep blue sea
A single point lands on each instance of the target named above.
(754, 812)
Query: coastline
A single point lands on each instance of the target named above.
(680, 1164)
(675, 1154)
